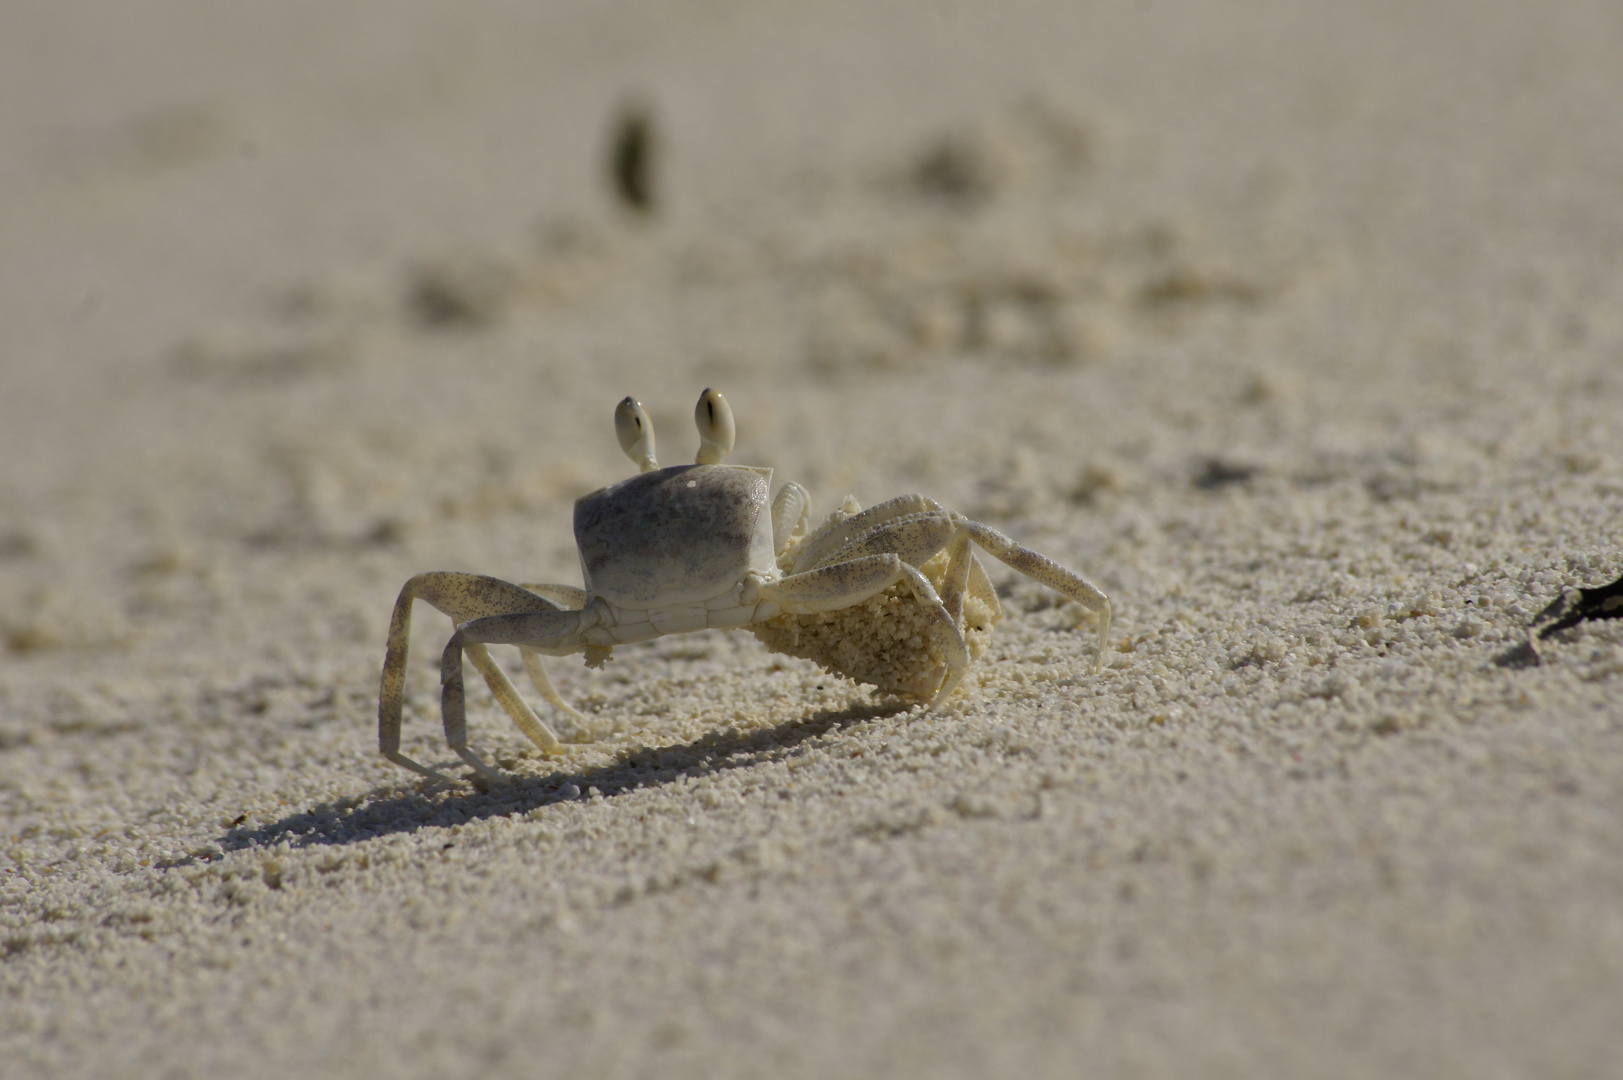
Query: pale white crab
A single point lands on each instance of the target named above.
(696, 547)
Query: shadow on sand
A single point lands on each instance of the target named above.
(365, 818)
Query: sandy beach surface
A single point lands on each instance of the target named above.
(1295, 326)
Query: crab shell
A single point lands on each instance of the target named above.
(681, 535)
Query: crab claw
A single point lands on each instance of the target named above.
(716, 430)
(636, 432)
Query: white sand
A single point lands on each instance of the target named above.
(1297, 327)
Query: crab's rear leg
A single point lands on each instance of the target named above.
(917, 536)
(1045, 571)
(845, 584)
(967, 577)
(462, 597)
(826, 544)
(956, 581)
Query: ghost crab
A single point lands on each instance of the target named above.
(696, 547)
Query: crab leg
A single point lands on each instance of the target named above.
(544, 687)
(828, 546)
(574, 599)
(789, 512)
(915, 529)
(462, 597)
(565, 596)
(843, 584)
(959, 560)
(1045, 571)
(546, 631)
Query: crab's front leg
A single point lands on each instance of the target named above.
(845, 584)
(464, 597)
(546, 631)
(573, 599)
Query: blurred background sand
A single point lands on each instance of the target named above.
(1298, 327)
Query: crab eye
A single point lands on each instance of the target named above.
(716, 429)
(636, 433)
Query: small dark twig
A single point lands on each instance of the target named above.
(632, 159)
(1572, 607)
(1581, 605)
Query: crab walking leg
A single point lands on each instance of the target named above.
(544, 630)
(790, 508)
(543, 686)
(573, 599)
(1045, 571)
(845, 584)
(456, 718)
(565, 596)
(825, 546)
(462, 597)
(981, 588)
(514, 705)
(959, 560)
(915, 528)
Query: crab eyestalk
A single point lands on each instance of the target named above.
(636, 432)
(716, 430)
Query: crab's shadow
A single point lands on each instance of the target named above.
(354, 820)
